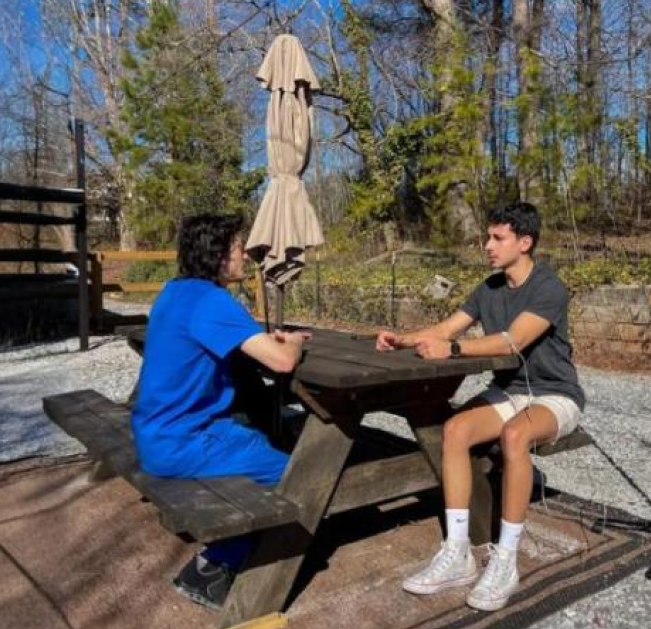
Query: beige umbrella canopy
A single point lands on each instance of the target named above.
(286, 224)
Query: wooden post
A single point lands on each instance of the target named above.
(259, 307)
(261, 298)
(318, 287)
(280, 306)
(82, 239)
(96, 292)
(392, 307)
(264, 583)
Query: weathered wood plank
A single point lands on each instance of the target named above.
(28, 218)
(82, 416)
(426, 368)
(209, 510)
(400, 396)
(132, 287)
(264, 583)
(262, 504)
(135, 256)
(394, 371)
(334, 360)
(58, 288)
(354, 345)
(374, 443)
(51, 256)
(323, 353)
(334, 374)
(17, 192)
(379, 481)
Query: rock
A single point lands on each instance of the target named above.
(440, 287)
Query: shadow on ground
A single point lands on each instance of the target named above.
(79, 553)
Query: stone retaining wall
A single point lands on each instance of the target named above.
(612, 324)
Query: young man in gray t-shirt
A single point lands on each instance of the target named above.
(523, 310)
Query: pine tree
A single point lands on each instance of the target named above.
(183, 144)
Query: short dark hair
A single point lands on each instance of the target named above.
(205, 241)
(523, 218)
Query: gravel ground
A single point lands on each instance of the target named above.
(618, 416)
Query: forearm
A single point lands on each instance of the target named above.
(491, 345)
(277, 355)
(411, 339)
(291, 350)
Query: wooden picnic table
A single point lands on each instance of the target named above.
(341, 378)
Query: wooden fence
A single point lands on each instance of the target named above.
(71, 196)
(98, 286)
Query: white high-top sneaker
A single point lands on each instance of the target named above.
(453, 566)
(497, 583)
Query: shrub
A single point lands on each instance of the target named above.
(584, 276)
(151, 271)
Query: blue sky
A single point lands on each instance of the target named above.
(27, 16)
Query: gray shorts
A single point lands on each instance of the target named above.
(507, 405)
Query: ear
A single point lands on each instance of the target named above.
(526, 243)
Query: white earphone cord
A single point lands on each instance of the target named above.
(518, 353)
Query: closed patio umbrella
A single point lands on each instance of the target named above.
(286, 224)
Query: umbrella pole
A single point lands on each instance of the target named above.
(265, 302)
(277, 421)
(280, 303)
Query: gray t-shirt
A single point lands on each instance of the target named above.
(549, 358)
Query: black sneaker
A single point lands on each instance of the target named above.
(207, 586)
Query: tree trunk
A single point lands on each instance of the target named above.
(589, 97)
(460, 213)
(127, 236)
(495, 43)
(527, 32)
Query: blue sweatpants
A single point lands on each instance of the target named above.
(234, 449)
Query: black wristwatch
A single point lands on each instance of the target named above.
(455, 349)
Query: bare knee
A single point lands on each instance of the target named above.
(514, 440)
(457, 435)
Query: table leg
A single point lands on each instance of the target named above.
(427, 424)
(310, 481)
(484, 504)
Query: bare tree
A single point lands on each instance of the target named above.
(87, 39)
(447, 23)
(527, 27)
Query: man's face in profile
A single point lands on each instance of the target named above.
(504, 247)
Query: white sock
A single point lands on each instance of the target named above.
(510, 534)
(457, 524)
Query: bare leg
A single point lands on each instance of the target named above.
(476, 423)
(536, 424)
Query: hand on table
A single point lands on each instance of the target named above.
(387, 341)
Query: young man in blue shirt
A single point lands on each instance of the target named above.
(523, 309)
(182, 421)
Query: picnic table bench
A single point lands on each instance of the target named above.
(208, 510)
(336, 464)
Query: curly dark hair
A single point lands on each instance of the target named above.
(523, 218)
(205, 241)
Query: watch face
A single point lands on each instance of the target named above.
(455, 348)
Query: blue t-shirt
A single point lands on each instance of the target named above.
(185, 384)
